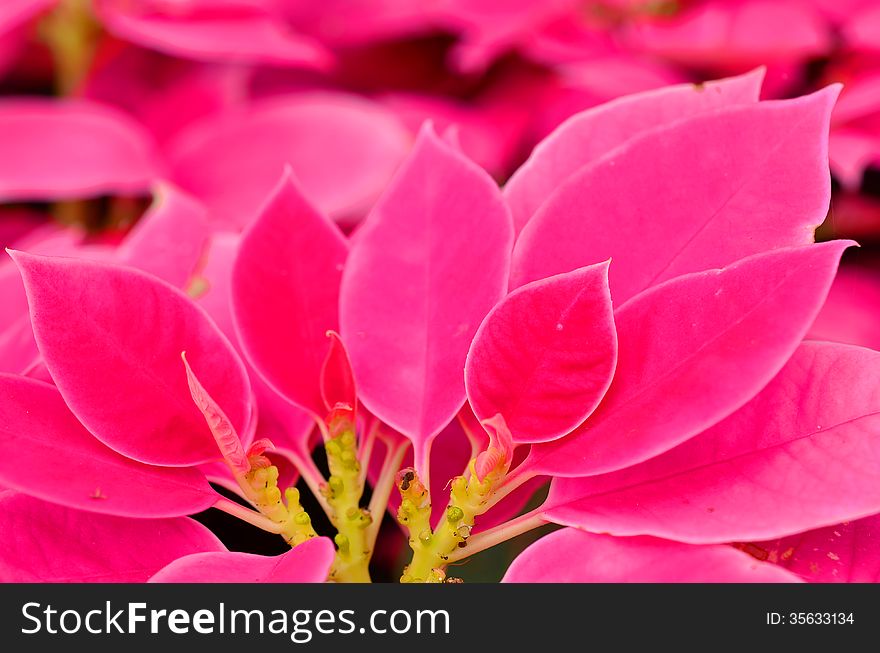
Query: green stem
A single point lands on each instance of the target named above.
(343, 493)
(247, 515)
(260, 486)
(433, 549)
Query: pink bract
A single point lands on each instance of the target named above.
(85, 474)
(72, 148)
(736, 481)
(88, 548)
(545, 355)
(285, 291)
(128, 385)
(589, 558)
(170, 239)
(628, 321)
(309, 562)
(736, 154)
(693, 350)
(843, 553)
(422, 274)
(589, 135)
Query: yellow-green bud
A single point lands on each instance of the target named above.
(454, 514)
(302, 519)
(336, 485)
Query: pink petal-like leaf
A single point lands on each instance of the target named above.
(212, 31)
(573, 556)
(756, 178)
(498, 455)
(46, 452)
(42, 543)
(589, 135)
(843, 553)
(428, 265)
(309, 562)
(693, 350)
(544, 357)
(285, 291)
(18, 351)
(169, 240)
(803, 454)
(71, 148)
(17, 348)
(337, 378)
(343, 149)
(111, 338)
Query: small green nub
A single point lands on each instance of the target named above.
(342, 542)
(365, 518)
(348, 439)
(407, 507)
(349, 460)
(336, 485)
(454, 514)
(302, 519)
(333, 448)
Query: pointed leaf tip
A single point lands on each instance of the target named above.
(228, 442)
(421, 276)
(285, 292)
(337, 380)
(748, 165)
(86, 547)
(588, 136)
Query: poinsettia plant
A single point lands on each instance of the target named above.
(624, 320)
